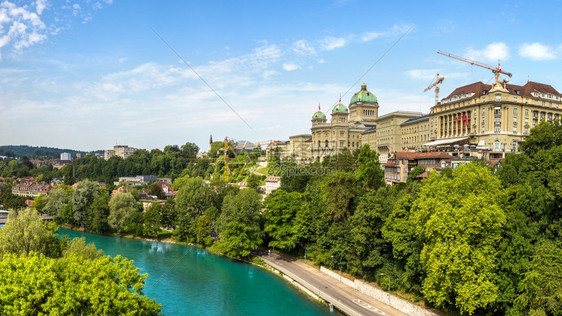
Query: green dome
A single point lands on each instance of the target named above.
(363, 96)
(339, 108)
(319, 115)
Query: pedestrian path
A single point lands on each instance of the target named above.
(344, 298)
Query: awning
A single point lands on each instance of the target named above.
(446, 141)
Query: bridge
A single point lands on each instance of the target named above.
(4, 217)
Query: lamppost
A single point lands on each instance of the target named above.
(388, 284)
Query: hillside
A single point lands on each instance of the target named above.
(38, 152)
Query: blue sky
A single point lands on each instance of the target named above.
(89, 74)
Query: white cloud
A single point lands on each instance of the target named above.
(536, 51)
(369, 36)
(40, 6)
(290, 66)
(331, 43)
(492, 52)
(302, 47)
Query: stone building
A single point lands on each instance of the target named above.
(494, 119)
(346, 126)
(479, 120)
(122, 151)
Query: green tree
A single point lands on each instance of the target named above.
(25, 232)
(414, 173)
(78, 246)
(204, 230)
(369, 172)
(543, 136)
(280, 212)
(339, 191)
(152, 220)
(370, 250)
(72, 285)
(542, 283)
(460, 221)
(189, 150)
(239, 223)
(122, 208)
(58, 202)
(156, 190)
(254, 181)
(193, 198)
(99, 210)
(40, 202)
(82, 197)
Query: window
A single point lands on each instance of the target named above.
(497, 129)
(514, 146)
(514, 130)
(498, 98)
(341, 143)
(526, 112)
(326, 143)
(497, 145)
(342, 133)
(341, 120)
(514, 99)
(497, 111)
(514, 111)
(319, 144)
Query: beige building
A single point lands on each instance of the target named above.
(386, 138)
(479, 120)
(122, 151)
(346, 126)
(492, 120)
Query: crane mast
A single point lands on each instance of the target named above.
(496, 70)
(438, 80)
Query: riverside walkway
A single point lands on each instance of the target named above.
(344, 298)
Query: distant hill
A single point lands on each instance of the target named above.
(39, 152)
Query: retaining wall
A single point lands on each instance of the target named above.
(396, 302)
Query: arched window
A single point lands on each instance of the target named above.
(326, 143)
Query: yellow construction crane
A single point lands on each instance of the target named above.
(496, 70)
(225, 149)
(438, 80)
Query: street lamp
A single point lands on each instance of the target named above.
(388, 283)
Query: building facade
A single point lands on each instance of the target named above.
(346, 126)
(122, 151)
(478, 120)
(493, 118)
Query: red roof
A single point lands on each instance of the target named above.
(524, 90)
(427, 155)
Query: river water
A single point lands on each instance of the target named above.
(191, 281)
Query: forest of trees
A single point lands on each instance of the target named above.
(471, 240)
(38, 152)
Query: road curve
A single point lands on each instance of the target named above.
(343, 297)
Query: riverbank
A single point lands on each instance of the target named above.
(189, 280)
(322, 288)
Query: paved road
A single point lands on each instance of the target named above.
(345, 298)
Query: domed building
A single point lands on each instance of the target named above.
(346, 125)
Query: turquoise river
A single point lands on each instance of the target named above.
(191, 281)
